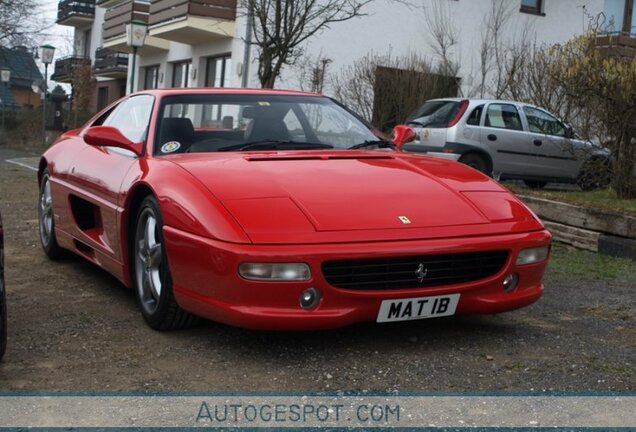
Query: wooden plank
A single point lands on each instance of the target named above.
(577, 237)
(590, 219)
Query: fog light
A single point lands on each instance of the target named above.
(533, 255)
(510, 282)
(309, 298)
(275, 271)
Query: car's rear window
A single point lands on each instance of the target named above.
(434, 114)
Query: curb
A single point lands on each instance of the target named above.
(595, 230)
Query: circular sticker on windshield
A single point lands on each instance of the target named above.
(170, 147)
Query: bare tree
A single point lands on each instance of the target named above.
(494, 49)
(83, 82)
(311, 73)
(21, 22)
(442, 36)
(385, 90)
(281, 27)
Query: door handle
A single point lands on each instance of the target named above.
(492, 137)
(537, 142)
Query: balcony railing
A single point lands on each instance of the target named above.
(162, 11)
(109, 3)
(75, 12)
(109, 63)
(117, 17)
(192, 21)
(618, 45)
(63, 71)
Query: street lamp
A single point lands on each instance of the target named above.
(5, 76)
(135, 37)
(46, 55)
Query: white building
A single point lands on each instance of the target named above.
(201, 42)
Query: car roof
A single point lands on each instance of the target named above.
(223, 90)
(475, 101)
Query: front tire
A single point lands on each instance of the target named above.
(153, 283)
(46, 220)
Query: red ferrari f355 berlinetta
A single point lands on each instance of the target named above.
(284, 211)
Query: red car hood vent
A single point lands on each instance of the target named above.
(333, 193)
(267, 158)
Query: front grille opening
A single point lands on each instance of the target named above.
(413, 271)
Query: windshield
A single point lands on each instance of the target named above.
(226, 122)
(434, 114)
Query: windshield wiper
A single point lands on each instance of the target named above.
(275, 145)
(374, 143)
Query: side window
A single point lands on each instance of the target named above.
(475, 117)
(132, 117)
(541, 122)
(503, 116)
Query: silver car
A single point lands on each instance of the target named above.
(508, 140)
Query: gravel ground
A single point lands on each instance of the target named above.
(72, 327)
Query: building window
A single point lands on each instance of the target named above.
(151, 77)
(102, 98)
(180, 74)
(532, 6)
(216, 72)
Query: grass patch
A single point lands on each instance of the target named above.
(571, 263)
(603, 199)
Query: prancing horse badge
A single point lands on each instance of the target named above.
(404, 220)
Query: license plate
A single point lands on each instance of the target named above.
(417, 308)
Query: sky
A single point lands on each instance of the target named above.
(61, 37)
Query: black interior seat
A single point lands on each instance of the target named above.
(176, 129)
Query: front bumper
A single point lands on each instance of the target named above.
(206, 280)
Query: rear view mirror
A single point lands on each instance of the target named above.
(403, 134)
(108, 136)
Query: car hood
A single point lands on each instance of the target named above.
(308, 197)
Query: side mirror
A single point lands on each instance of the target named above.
(403, 134)
(108, 136)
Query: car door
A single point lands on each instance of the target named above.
(504, 138)
(96, 177)
(555, 154)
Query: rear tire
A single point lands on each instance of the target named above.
(475, 160)
(46, 220)
(533, 184)
(153, 283)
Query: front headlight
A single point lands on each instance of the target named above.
(275, 271)
(533, 255)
